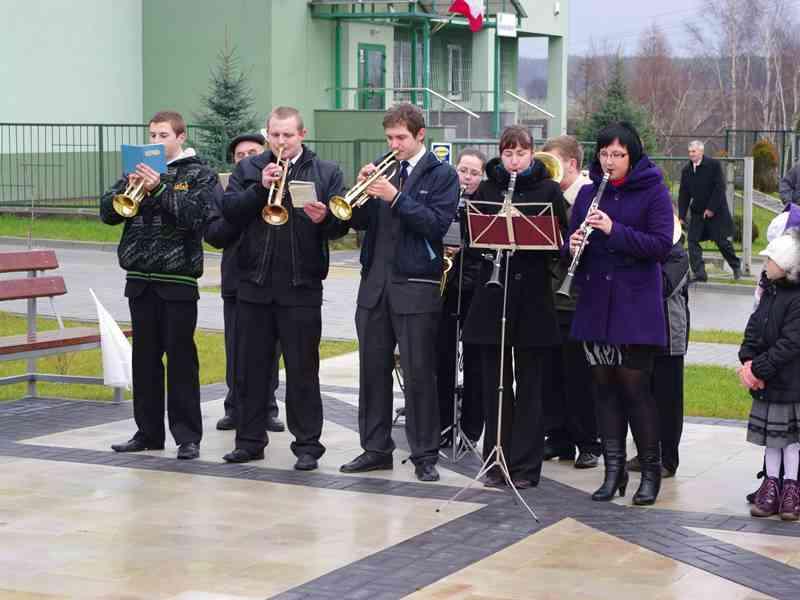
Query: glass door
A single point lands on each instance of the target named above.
(371, 76)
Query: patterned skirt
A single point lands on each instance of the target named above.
(631, 356)
(773, 425)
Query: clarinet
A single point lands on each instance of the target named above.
(566, 285)
(494, 280)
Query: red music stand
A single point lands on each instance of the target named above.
(505, 231)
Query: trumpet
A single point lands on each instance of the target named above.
(566, 285)
(127, 203)
(342, 206)
(274, 213)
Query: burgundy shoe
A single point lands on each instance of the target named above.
(790, 501)
(767, 500)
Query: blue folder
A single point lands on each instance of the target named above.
(153, 155)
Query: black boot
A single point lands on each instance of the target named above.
(651, 480)
(616, 477)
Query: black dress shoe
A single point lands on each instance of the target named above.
(368, 461)
(188, 451)
(524, 484)
(586, 460)
(226, 423)
(556, 451)
(703, 278)
(737, 273)
(136, 445)
(275, 425)
(306, 462)
(494, 481)
(427, 472)
(240, 455)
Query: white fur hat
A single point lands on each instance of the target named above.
(677, 230)
(784, 250)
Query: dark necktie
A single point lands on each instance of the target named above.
(403, 172)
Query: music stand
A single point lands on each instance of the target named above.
(462, 445)
(506, 231)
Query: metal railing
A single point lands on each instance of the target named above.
(64, 165)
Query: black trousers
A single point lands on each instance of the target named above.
(569, 405)
(667, 387)
(522, 433)
(379, 329)
(298, 329)
(699, 229)
(471, 406)
(229, 317)
(165, 327)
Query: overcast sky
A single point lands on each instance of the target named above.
(622, 22)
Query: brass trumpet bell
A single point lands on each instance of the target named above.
(342, 206)
(274, 213)
(552, 163)
(127, 203)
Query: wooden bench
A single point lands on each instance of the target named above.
(36, 344)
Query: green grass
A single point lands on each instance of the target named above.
(714, 392)
(716, 336)
(54, 228)
(210, 349)
(94, 230)
(761, 219)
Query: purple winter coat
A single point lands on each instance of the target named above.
(621, 299)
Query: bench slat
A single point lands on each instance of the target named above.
(31, 287)
(34, 260)
(44, 340)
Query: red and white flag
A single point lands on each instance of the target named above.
(472, 9)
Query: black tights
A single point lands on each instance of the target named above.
(623, 396)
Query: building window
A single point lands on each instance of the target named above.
(455, 82)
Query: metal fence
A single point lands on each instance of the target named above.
(70, 166)
(64, 165)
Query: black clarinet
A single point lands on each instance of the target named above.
(494, 280)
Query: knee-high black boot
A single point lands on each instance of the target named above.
(616, 476)
(651, 479)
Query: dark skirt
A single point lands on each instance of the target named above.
(774, 425)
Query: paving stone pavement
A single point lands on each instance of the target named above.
(403, 568)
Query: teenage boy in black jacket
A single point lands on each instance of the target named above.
(161, 249)
(221, 234)
(280, 292)
(398, 299)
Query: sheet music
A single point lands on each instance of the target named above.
(303, 192)
(453, 235)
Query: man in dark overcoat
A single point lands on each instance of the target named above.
(702, 193)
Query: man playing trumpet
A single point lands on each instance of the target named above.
(398, 299)
(161, 249)
(283, 258)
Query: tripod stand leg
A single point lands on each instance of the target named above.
(501, 462)
(487, 464)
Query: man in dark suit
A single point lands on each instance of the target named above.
(279, 297)
(221, 234)
(703, 191)
(398, 299)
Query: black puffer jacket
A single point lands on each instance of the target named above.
(244, 199)
(221, 234)
(772, 342)
(531, 314)
(164, 241)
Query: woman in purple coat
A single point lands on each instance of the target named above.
(620, 311)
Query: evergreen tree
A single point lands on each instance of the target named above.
(227, 110)
(617, 107)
